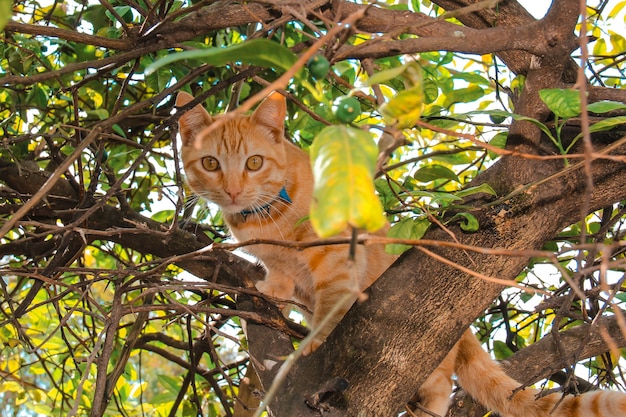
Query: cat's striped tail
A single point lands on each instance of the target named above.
(483, 378)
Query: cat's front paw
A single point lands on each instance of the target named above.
(311, 347)
(283, 292)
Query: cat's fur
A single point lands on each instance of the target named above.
(268, 200)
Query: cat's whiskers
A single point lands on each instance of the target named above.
(265, 208)
(188, 205)
(190, 202)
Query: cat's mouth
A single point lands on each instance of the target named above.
(239, 205)
(251, 205)
(233, 207)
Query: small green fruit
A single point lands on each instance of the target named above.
(318, 66)
(347, 109)
(102, 155)
(497, 118)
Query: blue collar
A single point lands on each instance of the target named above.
(282, 195)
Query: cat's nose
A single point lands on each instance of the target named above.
(233, 194)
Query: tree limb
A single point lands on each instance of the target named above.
(69, 35)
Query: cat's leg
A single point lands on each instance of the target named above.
(277, 284)
(434, 394)
(279, 281)
(335, 288)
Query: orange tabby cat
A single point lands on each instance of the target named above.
(264, 184)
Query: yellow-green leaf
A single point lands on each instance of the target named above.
(482, 188)
(343, 160)
(5, 12)
(618, 42)
(385, 75)
(606, 124)
(565, 103)
(405, 108)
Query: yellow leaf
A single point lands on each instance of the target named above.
(11, 386)
(343, 160)
(616, 9)
(405, 108)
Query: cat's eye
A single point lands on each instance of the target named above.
(210, 164)
(254, 163)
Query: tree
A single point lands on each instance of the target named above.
(502, 165)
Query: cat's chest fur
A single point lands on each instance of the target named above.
(283, 223)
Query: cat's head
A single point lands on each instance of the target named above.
(236, 162)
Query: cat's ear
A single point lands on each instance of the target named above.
(271, 113)
(193, 121)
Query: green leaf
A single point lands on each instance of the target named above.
(125, 12)
(343, 160)
(458, 158)
(169, 382)
(605, 106)
(607, 124)
(387, 192)
(482, 188)
(431, 91)
(435, 172)
(469, 223)
(261, 52)
(443, 199)
(621, 296)
(118, 129)
(501, 351)
(101, 114)
(37, 97)
(159, 79)
(499, 141)
(163, 216)
(5, 13)
(385, 75)
(407, 228)
(565, 103)
(463, 95)
(471, 77)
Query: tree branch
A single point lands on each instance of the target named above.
(69, 35)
